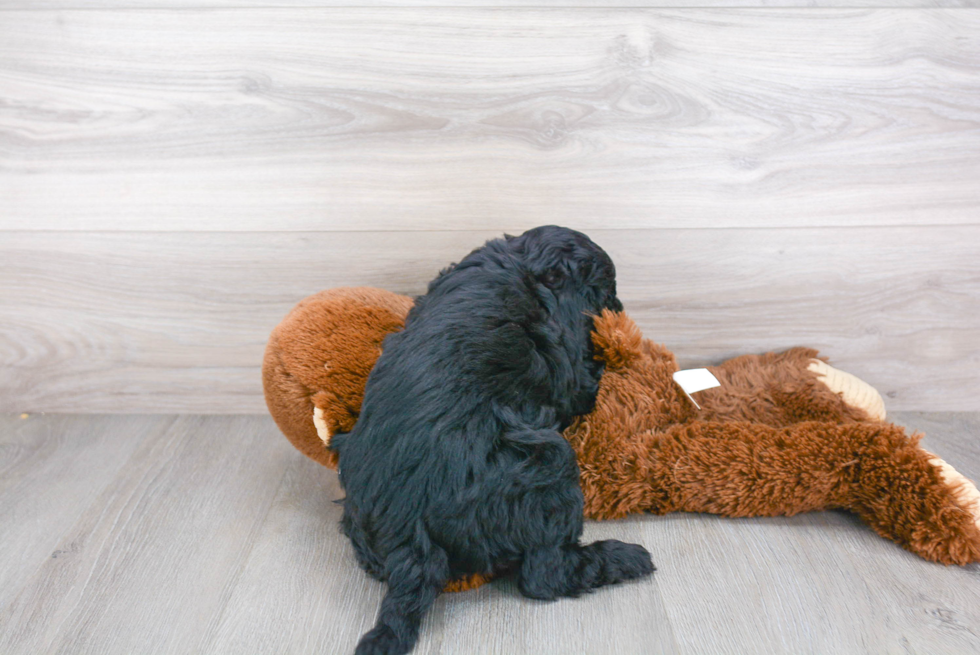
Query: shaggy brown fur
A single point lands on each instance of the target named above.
(772, 440)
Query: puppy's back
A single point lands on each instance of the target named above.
(434, 395)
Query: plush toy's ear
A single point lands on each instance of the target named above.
(616, 338)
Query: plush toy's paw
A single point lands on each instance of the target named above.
(962, 488)
(322, 429)
(855, 392)
(467, 583)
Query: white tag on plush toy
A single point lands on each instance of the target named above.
(696, 379)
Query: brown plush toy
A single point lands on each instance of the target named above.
(783, 434)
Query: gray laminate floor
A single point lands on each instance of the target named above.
(210, 534)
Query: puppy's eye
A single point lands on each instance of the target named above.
(552, 278)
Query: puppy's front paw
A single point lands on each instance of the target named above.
(626, 561)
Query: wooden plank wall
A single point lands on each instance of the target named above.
(175, 176)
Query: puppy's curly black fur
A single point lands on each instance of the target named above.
(457, 464)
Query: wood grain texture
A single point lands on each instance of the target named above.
(51, 470)
(564, 4)
(137, 322)
(419, 119)
(217, 537)
(151, 563)
(300, 590)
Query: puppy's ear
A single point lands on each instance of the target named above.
(517, 244)
(616, 338)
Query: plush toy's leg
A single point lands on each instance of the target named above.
(922, 504)
(467, 583)
(747, 469)
(781, 389)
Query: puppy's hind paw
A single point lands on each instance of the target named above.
(573, 569)
(382, 640)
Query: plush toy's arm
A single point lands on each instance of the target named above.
(776, 389)
(780, 389)
(747, 469)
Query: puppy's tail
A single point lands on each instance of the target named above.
(573, 569)
(416, 573)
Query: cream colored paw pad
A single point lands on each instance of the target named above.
(321, 426)
(964, 491)
(855, 391)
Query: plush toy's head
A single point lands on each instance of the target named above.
(318, 359)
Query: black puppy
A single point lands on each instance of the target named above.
(457, 464)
